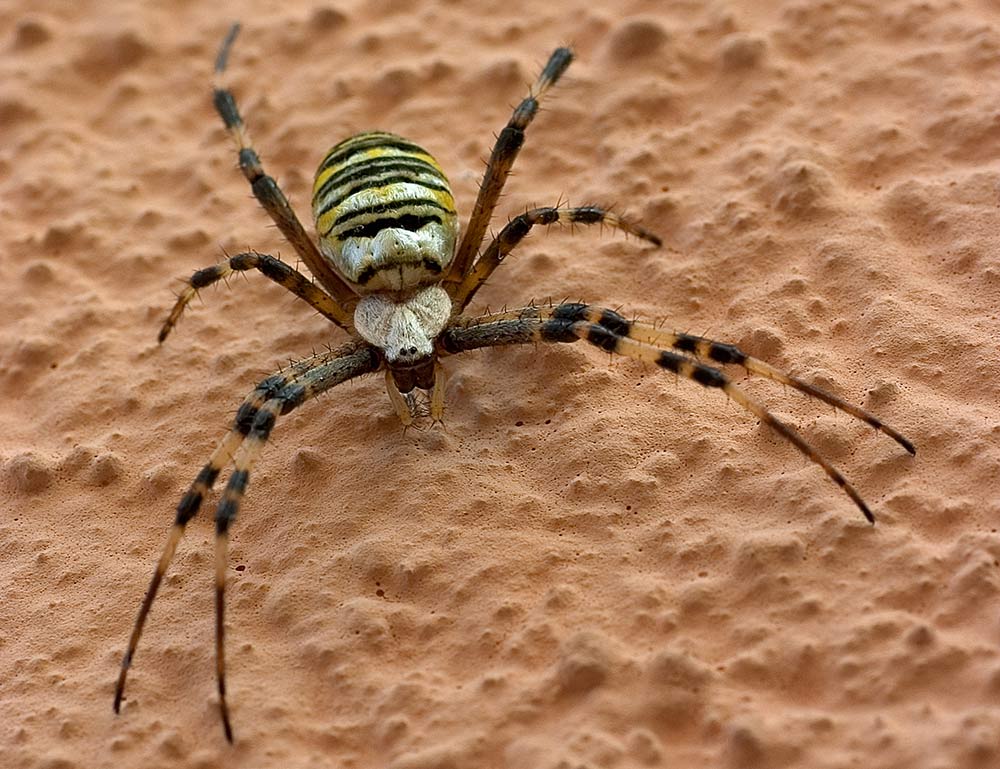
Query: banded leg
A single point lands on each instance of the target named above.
(270, 196)
(306, 385)
(564, 324)
(271, 267)
(517, 230)
(505, 150)
(701, 347)
(186, 510)
(299, 383)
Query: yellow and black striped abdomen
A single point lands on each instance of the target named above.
(384, 212)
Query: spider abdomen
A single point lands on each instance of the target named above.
(384, 212)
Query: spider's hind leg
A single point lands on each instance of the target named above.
(271, 267)
(269, 194)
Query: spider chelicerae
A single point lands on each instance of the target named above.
(390, 274)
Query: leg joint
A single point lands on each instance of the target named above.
(726, 353)
(601, 337)
(558, 330)
(707, 376)
(225, 105)
(252, 169)
(263, 423)
(248, 260)
(291, 396)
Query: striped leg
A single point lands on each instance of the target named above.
(278, 394)
(269, 266)
(722, 353)
(699, 346)
(519, 227)
(611, 332)
(308, 384)
(270, 196)
(505, 150)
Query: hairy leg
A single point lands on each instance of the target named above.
(278, 394)
(270, 196)
(269, 266)
(570, 323)
(699, 346)
(505, 150)
(517, 229)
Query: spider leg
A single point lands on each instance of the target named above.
(702, 347)
(567, 323)
(306, 385)
(505, 150)
(722, 353)
(518, 228)
(269, 266)
(275, 395)
(187, 508)
(269, 194)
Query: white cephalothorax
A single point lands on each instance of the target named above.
(404, 331)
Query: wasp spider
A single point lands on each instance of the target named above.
(391, 271)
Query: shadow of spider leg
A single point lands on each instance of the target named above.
(571, 322)
(274, 396)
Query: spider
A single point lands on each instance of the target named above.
(393, 274)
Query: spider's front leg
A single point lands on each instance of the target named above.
(606, 329)
(276, 395)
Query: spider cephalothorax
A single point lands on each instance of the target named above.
(393, 275)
